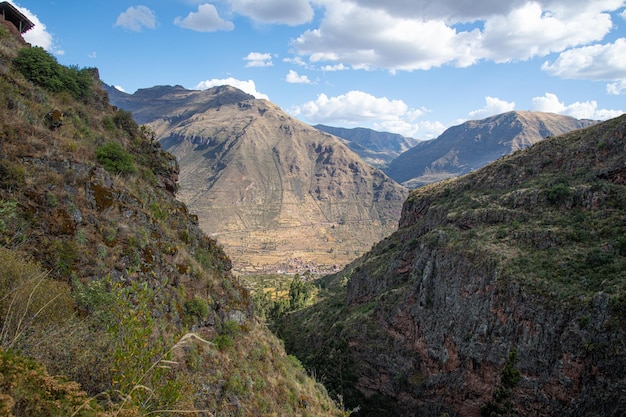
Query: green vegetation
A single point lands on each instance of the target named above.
(115, 158)
(41, 68)
(273, 298)
(502, 404)
(107, 279)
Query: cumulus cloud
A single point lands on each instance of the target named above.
(206, 19)
(38, 35)
(137, 18)
(245, 86)
(580, 110)
(294, 78)
(258, 59)
(595, 62)
(493, 106)
(288, 12)
(422, 34)
(358, 108)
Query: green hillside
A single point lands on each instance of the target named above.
(112, 301)
(518, 268)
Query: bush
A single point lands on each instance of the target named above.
(41, 68)
(558, 193)
(115, 158)
(197, 308)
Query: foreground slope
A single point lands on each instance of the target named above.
(502, 292)
(115, 300)
(473, 144)
(267, 186)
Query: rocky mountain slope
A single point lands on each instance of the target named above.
(503, 292)
(113, 302)
(269, 187)
(376, 148)
(472, 145)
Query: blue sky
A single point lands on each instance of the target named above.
(413, 67)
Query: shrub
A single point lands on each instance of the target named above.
(197, 308)
(558, 193)
(28, 390)
(41, 68)
(124, 120)
(115, 158)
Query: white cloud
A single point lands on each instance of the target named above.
(137, 18)
(294, 78)
(357, 108)
(595, 62)
(245, 86)
(119, 88)
(206, 19)
(92, 55)
(580, 110)
(258, 59)
(493, 106)
(616, 88)
(289, 12)
(422, 34)
(336, 67)
(38, 35)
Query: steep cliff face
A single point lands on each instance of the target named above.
(503, 290)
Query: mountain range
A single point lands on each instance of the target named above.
(376, 148)
(473, 144)
(502, 291)
(268, 186)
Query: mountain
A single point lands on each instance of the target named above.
(471, 145)
(376, 148)
(503, 292)
(113, 302)
(277, 193)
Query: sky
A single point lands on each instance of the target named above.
(414, 67)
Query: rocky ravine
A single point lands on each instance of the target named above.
(526, 255)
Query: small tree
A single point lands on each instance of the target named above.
(502, 405)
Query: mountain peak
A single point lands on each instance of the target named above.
(475, 143)
(270, 187)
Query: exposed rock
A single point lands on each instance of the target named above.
(525, 255)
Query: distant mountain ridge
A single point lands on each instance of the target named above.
(376, 148)
(473, 144)
(270, 187)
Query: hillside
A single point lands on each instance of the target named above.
(473, 144)
(376, 148)
(275, 192)
(113, 302)
(503, 292)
